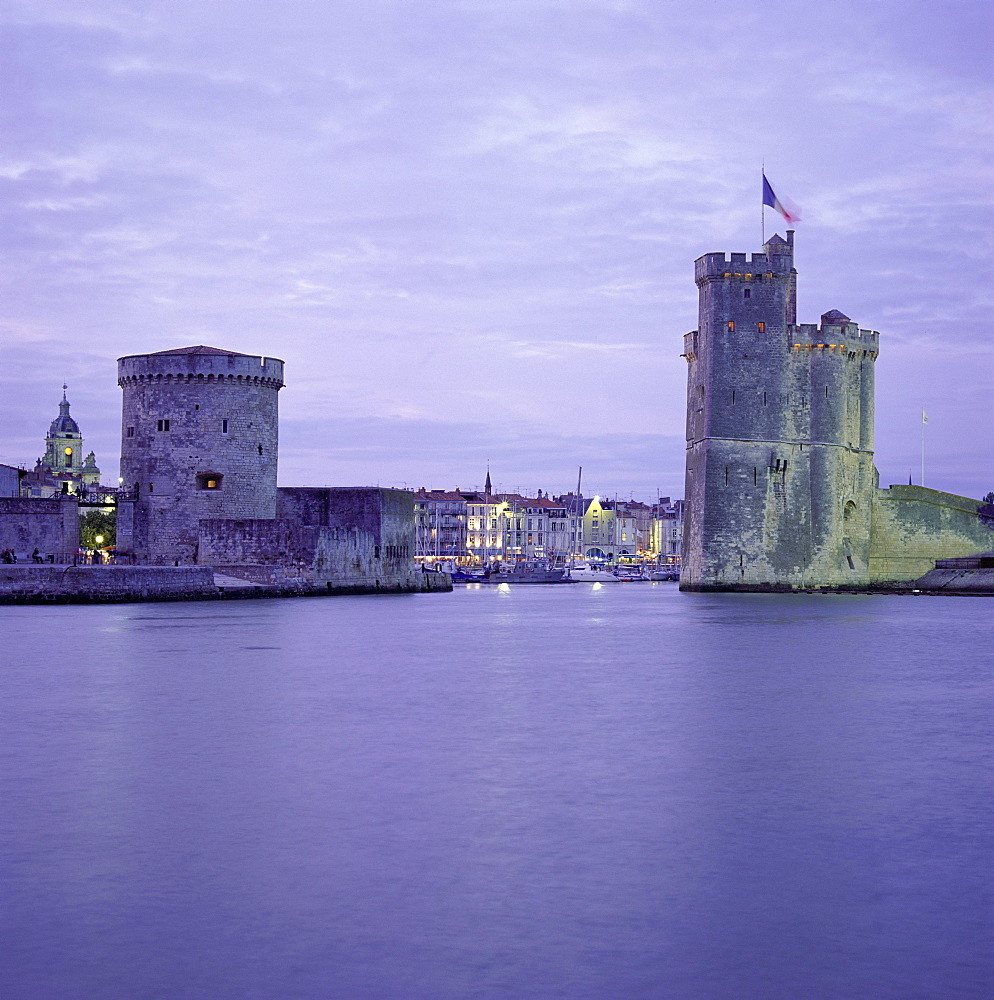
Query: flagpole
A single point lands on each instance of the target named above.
(762, 208)
(924, 420)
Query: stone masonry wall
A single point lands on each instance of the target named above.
(82, 584)
(337, 538)
(50, 525)
(914, 526)
(387, 515)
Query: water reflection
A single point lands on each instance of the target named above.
(531, 791)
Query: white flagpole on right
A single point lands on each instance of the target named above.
(924, 422)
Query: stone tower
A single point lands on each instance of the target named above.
(780, 476)
(199, 440)
(64, 446)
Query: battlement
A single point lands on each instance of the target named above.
(776, 260)
(200, 366)
(838, 336)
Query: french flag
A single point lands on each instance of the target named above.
(786, 208)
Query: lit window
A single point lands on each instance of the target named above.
(762, 327)
(731, 326)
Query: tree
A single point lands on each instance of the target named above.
(989, 498)
(98, 522)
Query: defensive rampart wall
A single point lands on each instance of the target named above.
(50, 525)
(914, 526)
(31, 584)
(336, 540)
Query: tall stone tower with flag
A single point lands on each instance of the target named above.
(780, 479)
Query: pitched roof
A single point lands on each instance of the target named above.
(439, 496)
(835, 317)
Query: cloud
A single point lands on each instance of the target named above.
(461, 207)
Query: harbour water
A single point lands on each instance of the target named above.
(581, 792)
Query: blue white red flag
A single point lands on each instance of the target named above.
(790, 211)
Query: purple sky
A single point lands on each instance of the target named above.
(469, 226)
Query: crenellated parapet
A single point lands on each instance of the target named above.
(776, 261)
(191, 366)
(835, 334)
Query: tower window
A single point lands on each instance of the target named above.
(260, 449)
(761, 327)
(224, 426)
(209, 481)
(731, 326)
(162, 425)
(747, 293)
(130, 432)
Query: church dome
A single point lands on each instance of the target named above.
(63, 424)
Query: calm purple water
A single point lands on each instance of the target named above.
(549, 792)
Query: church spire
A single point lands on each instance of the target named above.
(488, 489)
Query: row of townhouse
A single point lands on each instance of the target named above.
(473, 528)
(467, 527)
(632, 531)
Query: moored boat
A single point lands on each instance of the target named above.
(582, 572)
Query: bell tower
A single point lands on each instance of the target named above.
(64, 445)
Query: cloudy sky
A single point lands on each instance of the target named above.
(469, 226)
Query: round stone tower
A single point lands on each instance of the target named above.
(198, 440)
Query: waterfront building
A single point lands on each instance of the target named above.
(781, 487)
(609, 530)
(540, 529)
(486, 530)
(668, 518)
(10, 481)
(441, 526)
(467, 527)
